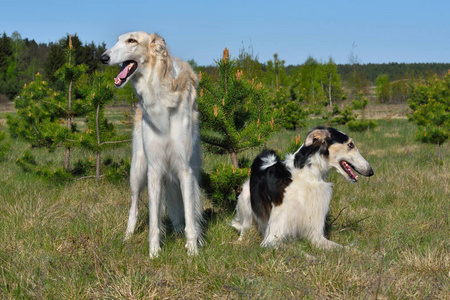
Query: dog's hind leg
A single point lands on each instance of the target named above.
(175, 207)
(242, 221)
(273, 236)
(138, 176)
(324, 243)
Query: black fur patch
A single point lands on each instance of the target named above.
(336, 135)
(267, 186)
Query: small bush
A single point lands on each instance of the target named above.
(28, 163)
(361, 125)
(224, 184)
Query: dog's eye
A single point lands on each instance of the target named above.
(132, 41)
(351, 145)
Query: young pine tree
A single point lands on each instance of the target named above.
(293, 109)
(430, 103)
(100, 133)
(38, 122)
(68, 74)
(45, 119)
(362, 124)
(276, 69)
(235, 116)
(235, 113)
(383, 88)
(4, 145)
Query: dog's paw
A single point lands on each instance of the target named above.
(270, 244)
(154, 251)
(191, 248)
(241, 237)
(128, 236)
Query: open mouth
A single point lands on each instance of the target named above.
(126, 71)
(348, 169)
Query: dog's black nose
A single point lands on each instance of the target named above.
(104, 59)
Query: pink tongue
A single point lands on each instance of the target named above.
(349, 170)
(123, 74)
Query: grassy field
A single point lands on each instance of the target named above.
(66, 241)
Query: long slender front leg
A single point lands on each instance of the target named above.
(191, 198)
(136, 184)
(175, 206)
(138, 174)
(154, 201)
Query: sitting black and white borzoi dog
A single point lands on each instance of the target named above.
(166, 140)
(291, 199)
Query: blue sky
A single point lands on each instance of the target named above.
(377, 31)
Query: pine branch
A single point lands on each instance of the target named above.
(87, 177)
(54, 104)
(214, 143)
(114, 142)
(210, 92)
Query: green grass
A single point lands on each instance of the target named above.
(66, 241)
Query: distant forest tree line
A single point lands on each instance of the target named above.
(21, 59)
(314, 81)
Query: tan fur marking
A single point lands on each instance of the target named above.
(318, 134)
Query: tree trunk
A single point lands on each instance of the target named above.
(439, 151)
(329, 90)
(97, 129)
(276, 76)
(234, 159)
(69, 125)
(97, 166)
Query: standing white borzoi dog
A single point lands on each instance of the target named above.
(291, 199)
(166, 141)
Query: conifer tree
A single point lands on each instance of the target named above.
(291, 105)
(430, 103)
(5, 53)
(383, 88)
(235, 113)
(361, 102)
(45, 118)
(35, 120)
(100, 133)
(276, 67)
(4, 145)
(69, 73)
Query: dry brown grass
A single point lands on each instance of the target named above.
(66, 241)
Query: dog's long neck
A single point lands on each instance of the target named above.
(316, 169)
(152, 78)
(153, 85)
(309, 187)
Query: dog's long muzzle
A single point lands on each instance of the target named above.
(368, 171)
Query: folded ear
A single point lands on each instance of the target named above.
(317, 136)
(158, 45)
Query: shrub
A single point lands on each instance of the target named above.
(224, 185)
(361, 125)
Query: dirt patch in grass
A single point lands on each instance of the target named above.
(386, 111)
(7, 106)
